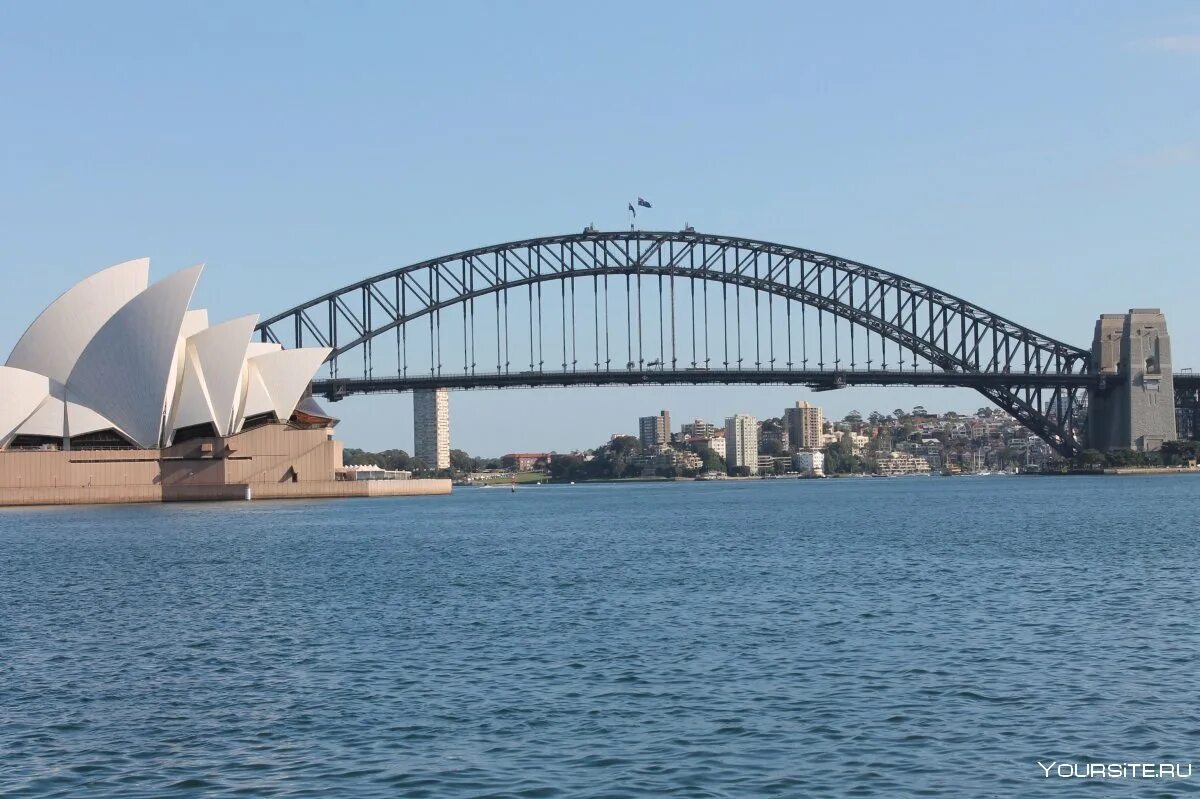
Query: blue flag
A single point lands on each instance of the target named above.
(643, 203)
(632, 210)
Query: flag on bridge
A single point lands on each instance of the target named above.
(643, 203)
(632, 210)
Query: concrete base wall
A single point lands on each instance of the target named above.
(353, 488)
(275, 461)
(123, 495)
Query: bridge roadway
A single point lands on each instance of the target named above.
(821, 380)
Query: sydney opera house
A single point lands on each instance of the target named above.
(118, 392)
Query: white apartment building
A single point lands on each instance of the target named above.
(741, 442)
(716, 443)
(810, 462)
(902, 463)
(698, 427)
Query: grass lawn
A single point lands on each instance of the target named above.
(522, 477)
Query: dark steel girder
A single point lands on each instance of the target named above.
(640, 263)
(339, 388)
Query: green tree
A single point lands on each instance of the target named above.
(460, 461)
(569, 468)
(1176, 453)
(625, 445)
(772, 448)
(840, 458)
(712, 461)
(357, 457)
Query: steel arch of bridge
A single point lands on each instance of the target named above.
(1042, 382)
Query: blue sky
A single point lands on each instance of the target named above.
(1040, 159)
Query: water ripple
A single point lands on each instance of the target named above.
(893, 638)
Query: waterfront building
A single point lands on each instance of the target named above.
(655, 431)
(715, 442)
(528, 461)
(897, 463)
(698, 427)
(671, 458)
(804, 424)
(371, 472)
(857, 441)
(118, 392)
(810, 462)
(741, 442)
(431, 427)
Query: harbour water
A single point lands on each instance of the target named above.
(868, 638)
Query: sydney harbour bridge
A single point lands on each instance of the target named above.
(643, 308)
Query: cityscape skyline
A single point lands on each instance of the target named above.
(295, 159)
(899, 442)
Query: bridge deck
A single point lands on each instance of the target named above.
(821, 380)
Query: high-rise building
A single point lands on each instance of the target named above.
(431, 427)
(741, 442)
(655, 431)
(804, 423)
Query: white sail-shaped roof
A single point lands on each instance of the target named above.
(221, 355)
(193, 322)
(53, 343)
(82, 420)
(21, 393)
(57, 418)
(285, 375)
(125, 371)
(114, 354)
(192, 405)
(257, 400)
(257, 348)
(50, 420)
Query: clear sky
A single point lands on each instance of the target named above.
(1040, 159)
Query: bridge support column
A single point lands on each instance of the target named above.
(431, 427)
(1136, 408)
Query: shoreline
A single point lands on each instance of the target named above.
(1108, 472)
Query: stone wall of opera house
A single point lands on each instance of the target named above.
(273, 461)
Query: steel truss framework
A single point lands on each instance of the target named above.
(935, 338)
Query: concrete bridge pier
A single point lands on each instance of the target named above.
(1136, 407)
(431, 427)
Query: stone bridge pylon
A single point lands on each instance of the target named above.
(1135, 409)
